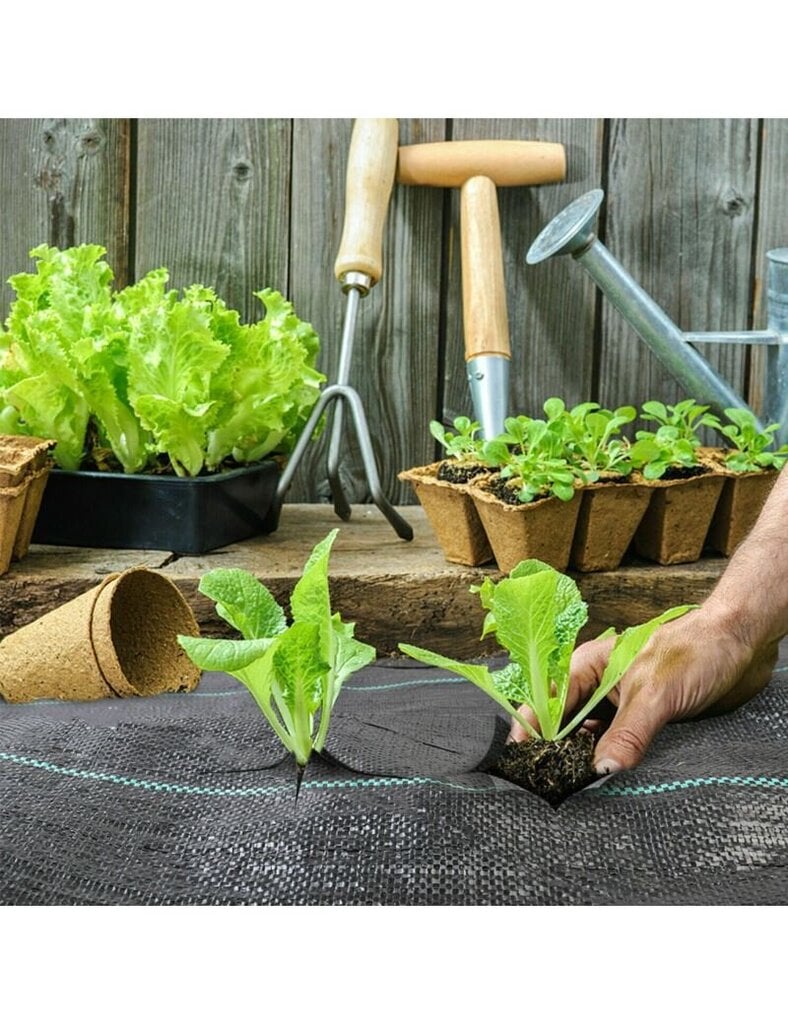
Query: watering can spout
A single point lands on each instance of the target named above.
(571, 233)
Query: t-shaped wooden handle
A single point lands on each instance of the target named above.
(484, 314)
(505, 162)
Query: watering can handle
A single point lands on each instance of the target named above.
(372, 162)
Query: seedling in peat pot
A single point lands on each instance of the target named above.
(749, 446)
(294, 672)
(464, 457)
(536, 614)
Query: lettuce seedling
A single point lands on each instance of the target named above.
(294, 672)
(532, 454)
(749, 452)
(686, 416)
(536, 614)
(462, 444)
(592, 437)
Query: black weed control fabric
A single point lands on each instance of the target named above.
(185, 799)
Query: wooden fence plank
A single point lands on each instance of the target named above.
(550, 308)
(63, 181)
(213, 200)
(396, 343)
(772, 233)
(680, 216)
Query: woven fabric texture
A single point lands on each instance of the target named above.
(187, 799)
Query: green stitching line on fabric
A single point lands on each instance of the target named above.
(765, 781)
(374, 782)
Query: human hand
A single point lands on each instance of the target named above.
(694, 665)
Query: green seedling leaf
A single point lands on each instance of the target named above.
(215, 655)
(244, 603)
(479, 675)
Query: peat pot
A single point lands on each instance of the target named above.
(743, 496)
(452, 515)
(25, 465)
(610, 513)
(188, 515)
(541, 529)
(678, 518)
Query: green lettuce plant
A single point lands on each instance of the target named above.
(686, 416)
(536, 614)
(749, 446)
(144, 378)
(531, 453)
(593, 439)
(462, 444)
(294, 672)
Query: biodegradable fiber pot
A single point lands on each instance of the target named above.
(540, 529)
(743, 496)
(610, 513)
(24, 470)
(452, 515)
(678, 517)
(118, 639)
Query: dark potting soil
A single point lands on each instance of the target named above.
(507, 492)
(550, 769)
(459, 472)
(684, 472)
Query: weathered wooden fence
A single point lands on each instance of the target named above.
(691, 208)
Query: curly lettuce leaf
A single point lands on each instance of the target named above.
(147, 374)
(266, 389)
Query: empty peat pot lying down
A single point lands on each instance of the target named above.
(117, 640)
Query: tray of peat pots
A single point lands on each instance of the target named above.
(685, 481)
(749, 469)
(170, 416)
(536, 614)
(529, 507)
(442, 490)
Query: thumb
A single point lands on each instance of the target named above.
(629, 735)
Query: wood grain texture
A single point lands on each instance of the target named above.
(680, 216)
(772, 232)
(550, 307)
(63, 181)
(395, 591)
(212, 205)
(396, 340)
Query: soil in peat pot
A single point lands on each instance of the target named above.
(507, 492)
(460, 473)
(553, 769)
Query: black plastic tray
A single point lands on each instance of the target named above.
(187, 515)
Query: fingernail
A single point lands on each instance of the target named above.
(607, 766)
